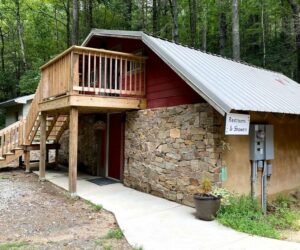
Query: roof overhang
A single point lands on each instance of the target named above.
(16, 101)
(268, 97)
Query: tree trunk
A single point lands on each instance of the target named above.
(295, 11)
(154, 17)
(20, 33)
(88, 15)
(75, 31)
(263, 32)
(128, 14)
(193, 21)
(235, 30)
(174, 13)
(68, 25)
(2, 50)
(222, 27)
(204, 29)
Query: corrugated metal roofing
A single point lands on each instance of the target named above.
(18, 100)
(227, 85)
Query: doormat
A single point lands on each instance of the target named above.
(102, 181)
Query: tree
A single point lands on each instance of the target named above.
(295, 12)
(222, 27)
(155, 17)
(20, 32)
(128, 14)
(193, 21)
(235, 30)
(174, 13)
(75, 30)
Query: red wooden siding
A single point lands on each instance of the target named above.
(164, 88)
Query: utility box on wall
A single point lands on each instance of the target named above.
(261, 142)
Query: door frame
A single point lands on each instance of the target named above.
(108, 121)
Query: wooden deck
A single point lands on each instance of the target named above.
(79, 80)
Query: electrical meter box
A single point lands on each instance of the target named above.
(261, 142)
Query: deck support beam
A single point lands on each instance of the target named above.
(27, 161)
(73, 146)
(43, 149)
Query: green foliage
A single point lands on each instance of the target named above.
(94, 206)
(206, 185)
(46, 32)
(223, 193)
(29, 82)
(115, 234)
(244, 214)
(13, 245)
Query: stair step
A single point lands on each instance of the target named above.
(8, 153)
(17, 148)
(2, 158)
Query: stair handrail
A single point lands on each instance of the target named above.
(32, 115)
(12, 137)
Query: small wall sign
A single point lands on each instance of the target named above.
(237, 124)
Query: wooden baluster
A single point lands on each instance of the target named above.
(9, 136)
(100, 73)
(83, 72)
(130, 77)
(110, 75)
(4, 143)
(1, 149)
(126, 62)
(140, 80)
(135, 78)
(105, 74)
(89, 72)
(95, 67)
(75, 72)
(116, 75)
(121, 76)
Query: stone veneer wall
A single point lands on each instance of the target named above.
(168, 151)
(88, 144)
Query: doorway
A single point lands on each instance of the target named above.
(114, 145)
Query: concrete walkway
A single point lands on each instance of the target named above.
(154, 223)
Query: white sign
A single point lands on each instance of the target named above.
(237, 124)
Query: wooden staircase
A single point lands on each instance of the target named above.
(19, 136)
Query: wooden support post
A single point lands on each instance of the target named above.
(43, 146)
(73, 145)
(27, 161)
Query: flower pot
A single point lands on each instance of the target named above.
(207, 206)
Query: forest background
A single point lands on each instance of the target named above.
(265, 33)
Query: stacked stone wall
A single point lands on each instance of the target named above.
(168, 151)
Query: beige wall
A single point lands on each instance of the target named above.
(286, 166)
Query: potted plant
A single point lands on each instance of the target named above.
(207, 204)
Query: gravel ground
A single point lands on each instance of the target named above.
(39, 215)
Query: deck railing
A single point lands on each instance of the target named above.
(89, 71)
(12, 137)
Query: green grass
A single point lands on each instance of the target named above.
(137, 248)
(244, 214)
(12, 245)
(94, 206)
(115, 234)
(3, 177)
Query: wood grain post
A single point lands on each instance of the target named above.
(27, 161)
(73, 146)
(43, 147)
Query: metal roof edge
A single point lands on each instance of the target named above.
(219, 105)
(17, 100)
(113, 33)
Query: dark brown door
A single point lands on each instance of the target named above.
(116, 142)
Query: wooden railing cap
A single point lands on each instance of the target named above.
(80, 49)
